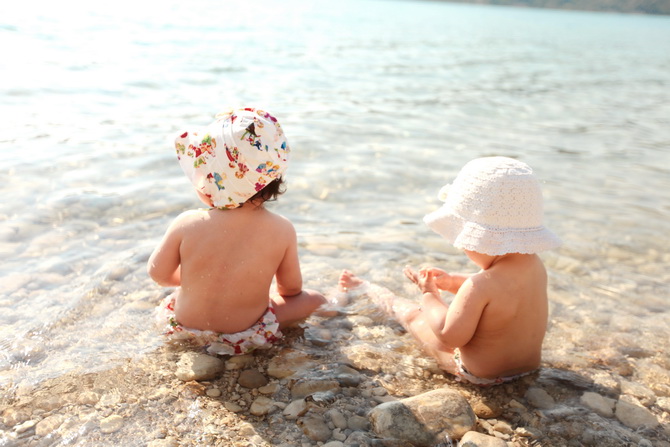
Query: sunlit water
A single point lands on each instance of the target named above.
(382, 102)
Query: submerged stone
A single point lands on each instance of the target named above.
(634, 416)
(476, 439)
(195, 366)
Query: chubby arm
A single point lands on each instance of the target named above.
(164, 265)
(288, 276)
(450, 282)
(454, 324)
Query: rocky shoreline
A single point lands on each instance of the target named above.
(351, 380)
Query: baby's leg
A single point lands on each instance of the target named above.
(292, 309)
(407, 313)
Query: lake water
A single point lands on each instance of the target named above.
(382, 102)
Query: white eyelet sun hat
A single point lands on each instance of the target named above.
(236, 156)
(494, 207)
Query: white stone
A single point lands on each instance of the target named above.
(539, 398)
(634, 415)
(261, 406)
(598, 404)
(49, 425)
(111, 424)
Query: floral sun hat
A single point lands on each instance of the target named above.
(234, 157)
(494, 206)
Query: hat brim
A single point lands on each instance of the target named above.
(491, 241)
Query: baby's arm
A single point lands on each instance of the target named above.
(164, 263)
(289, 276)
(450, 282)
(454, 324)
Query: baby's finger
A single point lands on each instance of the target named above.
(411, 274)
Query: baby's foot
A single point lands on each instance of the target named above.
(348, 281)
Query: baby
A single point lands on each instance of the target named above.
(224, 258)
(492, 331)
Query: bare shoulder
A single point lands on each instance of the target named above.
(191, 216)
(279, 222)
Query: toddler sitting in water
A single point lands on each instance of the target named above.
(225, 258)
(492, 331)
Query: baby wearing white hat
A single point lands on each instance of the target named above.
(223, 259)
(493, 329)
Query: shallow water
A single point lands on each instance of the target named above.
(382, 103)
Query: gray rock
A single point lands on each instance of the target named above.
(252, 378)
(295, 409)
(425, 418)
(196, 366)
(305, 387)
(598, 404)
(358, 423)
(333, 444)
(337, 418)
(634, 416)
(476, 439)
(237, 362)
(539, 398)
(262, 406)
(315, 428)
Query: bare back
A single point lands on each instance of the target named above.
(227, 260)
(509, 334)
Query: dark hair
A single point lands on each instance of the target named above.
(270, 192)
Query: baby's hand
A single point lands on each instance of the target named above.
(443, 280)
(424, 279)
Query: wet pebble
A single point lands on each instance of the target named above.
(233, 407)
(539, 398)
(305, 387)
(315, 428)
(13, 416)
(288, 362)
(598, 404)
(26, 426)
(88, 398)
(476, 439)
(196, 366)
(356, 422)
(111, 424)
(633, 415)
(49, 425)
(337, 418)
(487, 410)
(644, 394)
(252, 378)
(295, 409)
(239, 362)
(262, 406)
(213, 392)
(271, 388)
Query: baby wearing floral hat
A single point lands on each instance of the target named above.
(223, 259)
(493, 328)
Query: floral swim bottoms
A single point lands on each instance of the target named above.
(464, 374)
(261, 335)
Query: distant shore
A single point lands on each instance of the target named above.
(661, 7)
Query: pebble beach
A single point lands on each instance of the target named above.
(336, 382)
